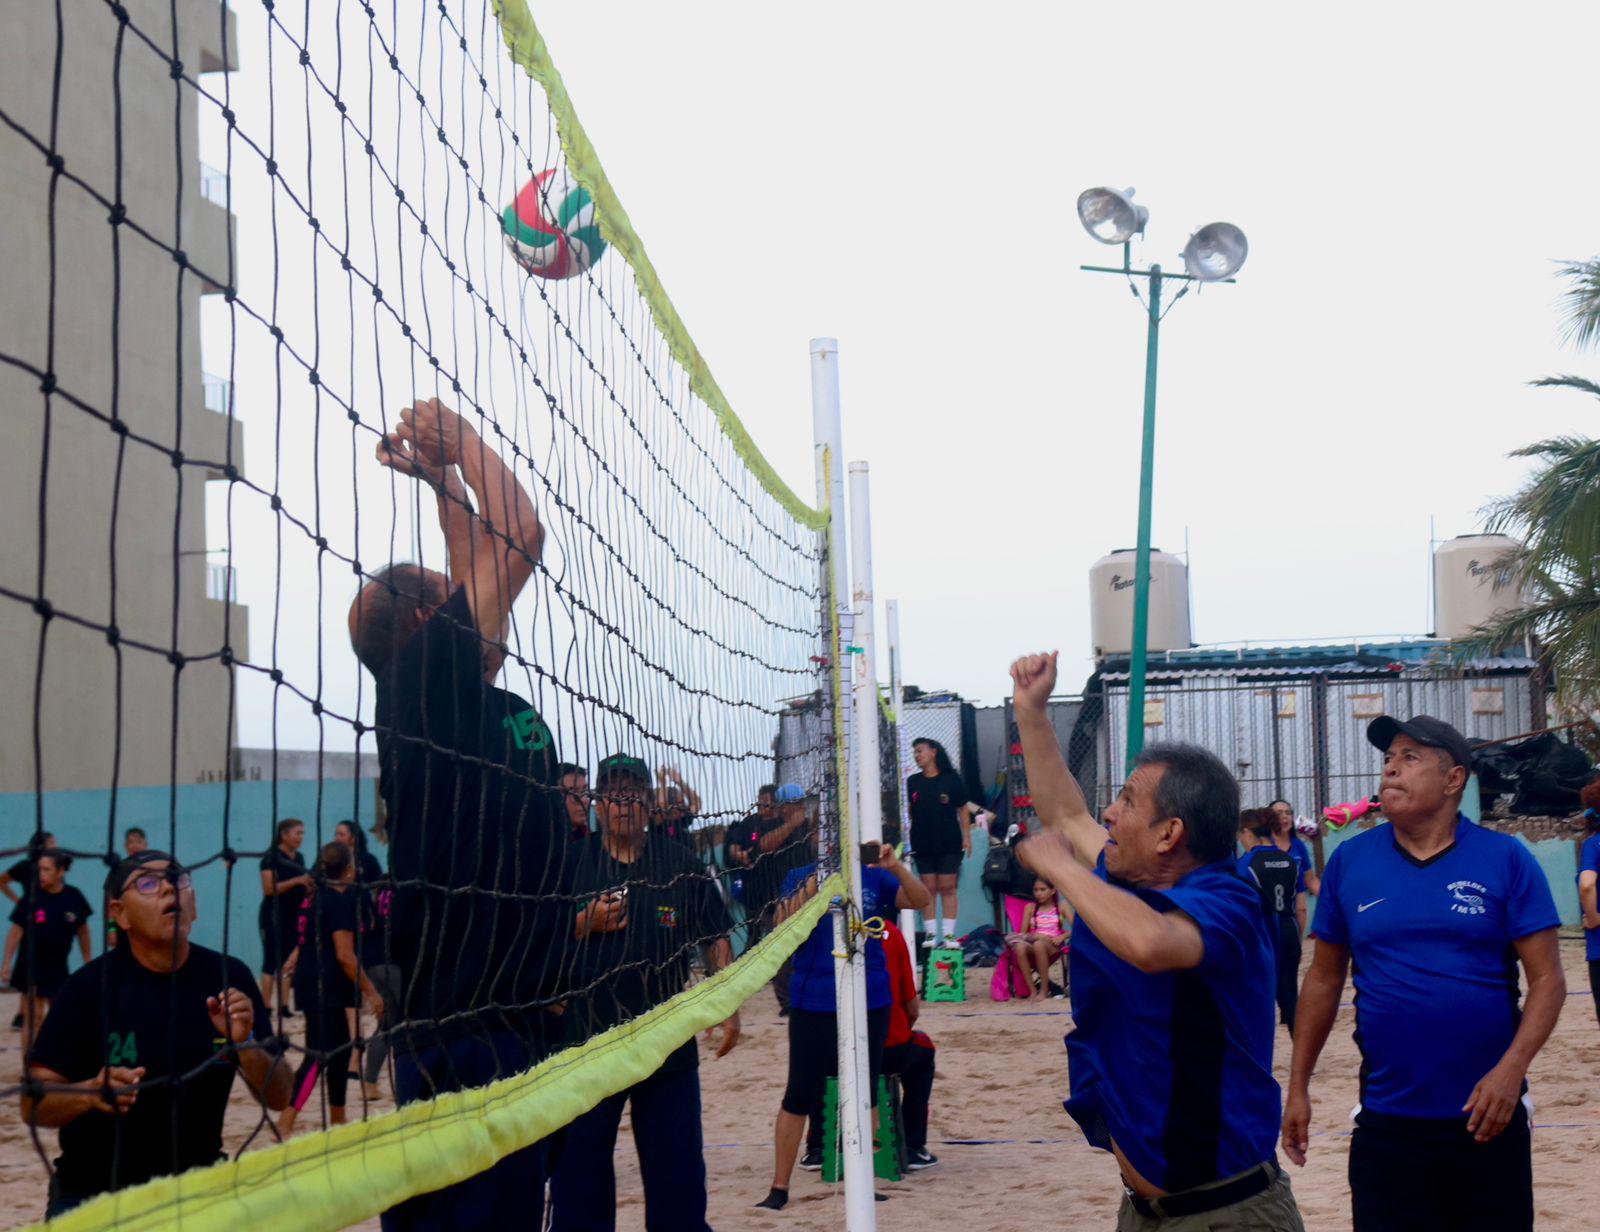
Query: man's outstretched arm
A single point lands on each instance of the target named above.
(504, 539)
(1057, 798)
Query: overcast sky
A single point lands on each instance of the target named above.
(904, 178)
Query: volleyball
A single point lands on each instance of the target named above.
(550, 227)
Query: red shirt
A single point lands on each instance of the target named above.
(902, 985)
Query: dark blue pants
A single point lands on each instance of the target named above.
(512, 1190)
(666, 1131)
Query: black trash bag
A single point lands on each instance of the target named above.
(1497, 769)
(1553, 773)
(983, 946)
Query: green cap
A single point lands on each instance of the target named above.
(621, 767)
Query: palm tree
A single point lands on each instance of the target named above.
(1555, 516)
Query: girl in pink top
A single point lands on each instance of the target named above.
(1042, 937)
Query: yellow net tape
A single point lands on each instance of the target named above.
(343, 1175)
(528, 49)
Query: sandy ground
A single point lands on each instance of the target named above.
(1009, 1156)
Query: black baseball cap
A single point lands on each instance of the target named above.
(1424, 729)
(124, 868)
(622, 767)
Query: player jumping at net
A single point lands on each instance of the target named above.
(1170, 1055)
(646, 905)
(1435, 912)
(137, 1057)
(478, 831)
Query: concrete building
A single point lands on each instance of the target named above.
(112, 431)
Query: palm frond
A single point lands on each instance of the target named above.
(1556, 512)
(1567, 381)
(1580, 302)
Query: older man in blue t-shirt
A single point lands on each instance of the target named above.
(1436, 912)
(1170, 1055)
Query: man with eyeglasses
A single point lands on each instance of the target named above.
(644, 905)
(136, 1059)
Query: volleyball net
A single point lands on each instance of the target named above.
(377, 481)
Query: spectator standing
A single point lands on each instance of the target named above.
(941, 832)
(372, 902)
(284, 883)
(1435, 912)
(1284, 838)
(676, 806)
(18, 879)
(574, 784)
(886, 887)
(1280, 880)
(647, 905)
(43, 926)
(134, 840)
(148, 1038)
(326, 979)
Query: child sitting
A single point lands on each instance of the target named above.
(1043, 935)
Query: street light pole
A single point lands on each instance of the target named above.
(1141, 572)
(1213, 254)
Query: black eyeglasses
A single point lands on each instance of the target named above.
(150, 883)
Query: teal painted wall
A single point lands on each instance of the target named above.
(195, 823)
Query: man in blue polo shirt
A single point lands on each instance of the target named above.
(1170, 1055)
(1436, 913)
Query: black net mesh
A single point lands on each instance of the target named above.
(316, 350)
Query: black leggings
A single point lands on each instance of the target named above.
(1594, 984)
(814, 1056)
(912, 1062)
(327, 1055)
(1287, 958)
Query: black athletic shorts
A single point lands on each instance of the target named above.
(1407, 1174)
(814, 1055)
(937, 863)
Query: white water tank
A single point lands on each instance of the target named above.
(1111, 602)
(1472, 584)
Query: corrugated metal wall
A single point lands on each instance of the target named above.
(1305, 740)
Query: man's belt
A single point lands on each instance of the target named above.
(1209, 1197)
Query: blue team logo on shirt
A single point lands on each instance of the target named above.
(1466, 897)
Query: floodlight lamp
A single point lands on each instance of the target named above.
(1215, 252)
(1111, 216)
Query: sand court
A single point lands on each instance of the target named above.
(1010, 1158)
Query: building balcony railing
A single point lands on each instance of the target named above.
(218, 393)
(214, 185)
(222, 583)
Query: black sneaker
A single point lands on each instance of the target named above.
(811, 1161)
(921, 1159)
